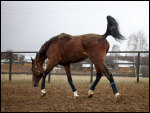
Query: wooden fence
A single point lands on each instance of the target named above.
(138, 63)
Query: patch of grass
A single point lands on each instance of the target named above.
(61, 79)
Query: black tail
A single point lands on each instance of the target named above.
(113, 29)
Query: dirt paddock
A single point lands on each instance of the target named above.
(19, 95)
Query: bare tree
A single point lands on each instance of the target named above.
(14, 57)
(115, 48)
(6, 55)
(113, 56)
(137, 42)
(143, 46)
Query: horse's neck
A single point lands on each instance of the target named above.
(39, 62)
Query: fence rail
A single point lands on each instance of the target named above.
(138, 63)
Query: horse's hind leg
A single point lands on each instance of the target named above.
(101, 68)
(68, 72)
(91, 91)
(109, 76)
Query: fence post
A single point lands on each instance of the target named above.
(10, 66)
(138, 67)
(91, 72)
(49, 75)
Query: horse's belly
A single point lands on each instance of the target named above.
(74, 58)
(78, 58)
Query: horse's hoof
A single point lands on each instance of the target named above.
(76, 96)
(43, 94)
(119, 98)
(90, 94)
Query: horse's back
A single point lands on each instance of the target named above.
(71, 49)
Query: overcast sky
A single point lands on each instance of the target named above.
(26, 25)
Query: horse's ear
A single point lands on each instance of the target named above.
(31, 58)
(33, 62)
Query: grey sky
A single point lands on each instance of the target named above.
(26, 25)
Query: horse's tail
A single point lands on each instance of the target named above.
(113, 29)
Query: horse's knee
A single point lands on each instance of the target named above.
(98, 76)
(70, 82)
(110, 78)
(69, 78)
(44, 74)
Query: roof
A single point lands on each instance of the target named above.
(86, 65)
(123, 61)
(125, 65)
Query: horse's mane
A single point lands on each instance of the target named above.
(42, 52)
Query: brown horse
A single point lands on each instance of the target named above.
(65, 49)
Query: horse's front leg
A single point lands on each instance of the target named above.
(72, 85)
(43, 91)
(48, 69)
(68, 72)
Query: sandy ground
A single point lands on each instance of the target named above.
(19, 95)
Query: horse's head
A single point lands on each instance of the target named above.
(36, 73)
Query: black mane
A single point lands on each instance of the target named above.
(44, 47)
